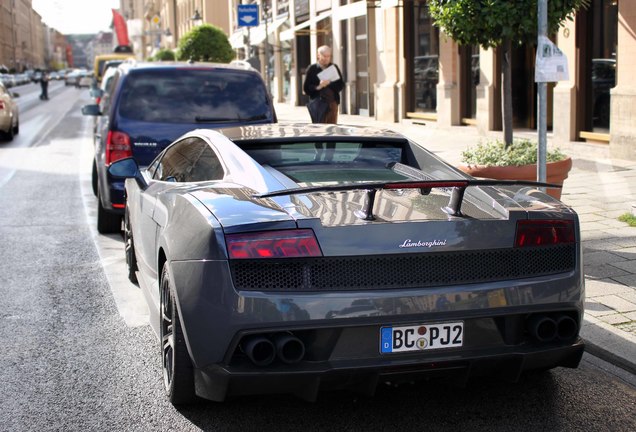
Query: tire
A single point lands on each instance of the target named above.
(9, 134)
(129, 247)
(178, 376)
(107, 222)
(16, 128)
(94, 179)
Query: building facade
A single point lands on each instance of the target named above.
(390, 51)
(25, 41)
(157, 24)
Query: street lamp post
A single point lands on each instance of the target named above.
(267, 80)
(197, 20)
(169, 38)
(542, 92)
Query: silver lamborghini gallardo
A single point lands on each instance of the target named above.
(298, 258)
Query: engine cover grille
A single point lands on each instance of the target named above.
(401, 271)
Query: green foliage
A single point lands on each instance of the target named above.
(205, 43)
(628, 218)
(163, 54)
(489, 22)
(495, 153)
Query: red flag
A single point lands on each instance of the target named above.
(120, 28)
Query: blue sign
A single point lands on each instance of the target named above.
(247, 15)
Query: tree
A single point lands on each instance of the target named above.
(205, 43)
(499, 24)
(164, 54)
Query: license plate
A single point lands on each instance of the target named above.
(421, 337)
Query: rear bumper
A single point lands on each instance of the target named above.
(341, 331)
(363, 376)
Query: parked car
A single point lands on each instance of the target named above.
(99, 64)
(72, 78)
(318, 257)
(86, 79)
(8, 80)
(9, 113)
(104, 88)
(151, 104)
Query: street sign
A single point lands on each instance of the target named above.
(247, 15)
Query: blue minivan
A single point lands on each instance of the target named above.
(148, 105)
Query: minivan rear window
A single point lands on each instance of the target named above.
(205, 96)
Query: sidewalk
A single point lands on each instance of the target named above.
(599, 188)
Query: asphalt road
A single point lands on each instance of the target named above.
(78, 354)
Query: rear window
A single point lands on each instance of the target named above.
(194, 96)
(331, 162)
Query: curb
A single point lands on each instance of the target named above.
(607, 343)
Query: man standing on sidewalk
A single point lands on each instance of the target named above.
(327, 89)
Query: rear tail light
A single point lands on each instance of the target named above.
(544, 232)
(1, 105)
(273, 244)
(117, 146)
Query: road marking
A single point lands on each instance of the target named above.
(128, 296)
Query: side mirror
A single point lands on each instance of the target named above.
(15, 95)
(91, 110)
(127, 168)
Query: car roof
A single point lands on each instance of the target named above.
(305, 132)
(135, 65)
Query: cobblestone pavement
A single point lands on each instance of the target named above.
(600, 191)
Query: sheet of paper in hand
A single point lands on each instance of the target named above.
(331, 74)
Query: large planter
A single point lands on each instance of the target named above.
(556, 172)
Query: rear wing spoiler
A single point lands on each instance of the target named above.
(454, 205)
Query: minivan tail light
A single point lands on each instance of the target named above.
(544, 232)
(117, 146)
(1, 105)
(273, 244)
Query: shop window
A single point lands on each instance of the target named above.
(425, 66)
(601, 63)
(470, 76)
(362, 66)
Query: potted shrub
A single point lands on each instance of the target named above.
(516, 162)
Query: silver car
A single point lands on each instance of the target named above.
(9, 113)
(298, 258)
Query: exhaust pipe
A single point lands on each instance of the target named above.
(259, 350)
(567, 327)
(289, 348)
(542, 328)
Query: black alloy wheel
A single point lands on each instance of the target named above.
(178, 376)
(129, 247)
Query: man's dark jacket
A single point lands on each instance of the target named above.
(332, 91)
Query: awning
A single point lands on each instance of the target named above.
(257, 34)
(289, 34)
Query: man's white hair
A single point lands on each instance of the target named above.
(324, 49)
